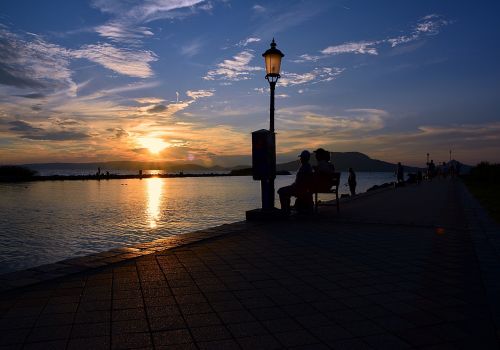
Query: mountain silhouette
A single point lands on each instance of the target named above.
(356, 160)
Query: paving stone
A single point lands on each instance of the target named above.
(295, 338)
(95, 343)
(166, 323)
(265, 342)
(210, 333)
(200, 320)
(129, 326)
(131, 341)
(90, 330)
(172, 337)
(40, 334)
(46, 345)
(219, 344)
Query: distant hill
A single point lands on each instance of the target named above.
(358, 161)
(123, 165)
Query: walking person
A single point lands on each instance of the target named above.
(400, 175)
(351, 180)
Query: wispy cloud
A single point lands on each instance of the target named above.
(235, 69)
(196, 94)
(317, 75)
(258, 8)
(134, 63)
(426, 26)
(27, 61)
(32, 62)
(362, 47)
(120, 32)
(57, 132)
(247, 41)
(130, 17)
(192, 49)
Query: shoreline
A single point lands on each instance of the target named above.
(121, 177)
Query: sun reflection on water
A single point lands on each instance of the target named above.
(154, 188)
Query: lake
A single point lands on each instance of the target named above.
(47, 221)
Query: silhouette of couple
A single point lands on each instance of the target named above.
(307, 181)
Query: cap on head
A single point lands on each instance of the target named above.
(305, 154)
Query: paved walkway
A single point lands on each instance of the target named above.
(403, 268)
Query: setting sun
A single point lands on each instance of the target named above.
(154, 145)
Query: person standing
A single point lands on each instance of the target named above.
(351, 180)
(400, 175)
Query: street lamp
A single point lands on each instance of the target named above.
(272, 58)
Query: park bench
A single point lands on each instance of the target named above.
(334, 189)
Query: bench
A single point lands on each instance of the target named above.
(334, 188)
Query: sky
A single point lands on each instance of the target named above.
(184, 80)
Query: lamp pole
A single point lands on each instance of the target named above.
(272, 58)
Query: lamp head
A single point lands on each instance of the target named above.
(272, 59)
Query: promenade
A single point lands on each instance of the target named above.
(408, 268)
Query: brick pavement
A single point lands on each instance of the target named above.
(395, 270)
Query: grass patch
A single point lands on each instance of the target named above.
(489, 197)
(484, 183)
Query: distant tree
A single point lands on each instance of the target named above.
(15, 173)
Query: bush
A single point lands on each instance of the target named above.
(14, 172)
(485, 172)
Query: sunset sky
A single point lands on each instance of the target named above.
(102, 80)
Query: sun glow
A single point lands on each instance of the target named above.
(153, 144)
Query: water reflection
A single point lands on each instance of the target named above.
(154, 188)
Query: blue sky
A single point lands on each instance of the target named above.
(184, 79)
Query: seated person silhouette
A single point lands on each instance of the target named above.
(323, 171)
(300, 188)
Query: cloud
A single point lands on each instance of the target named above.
(157, 109)
(234, 70)
(56, 136)
(258, 8)
(119, 32)
(362, 47)
(21, 126)
(148, 100)
(130, 17)
(27, 61)
(355, 120)
(134, 63)
(28, 131)
(118, 132)
(32, 63)
(426, 26)
(279, 20)
(200, 93)
(317, 75)
(32, 96)
(244, 43)
(191, 49)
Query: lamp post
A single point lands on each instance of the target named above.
(272, 58)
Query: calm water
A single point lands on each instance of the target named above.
(44, 222)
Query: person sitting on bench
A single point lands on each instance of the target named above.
(300, 188)
(323, 171)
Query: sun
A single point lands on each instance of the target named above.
(153, 144)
